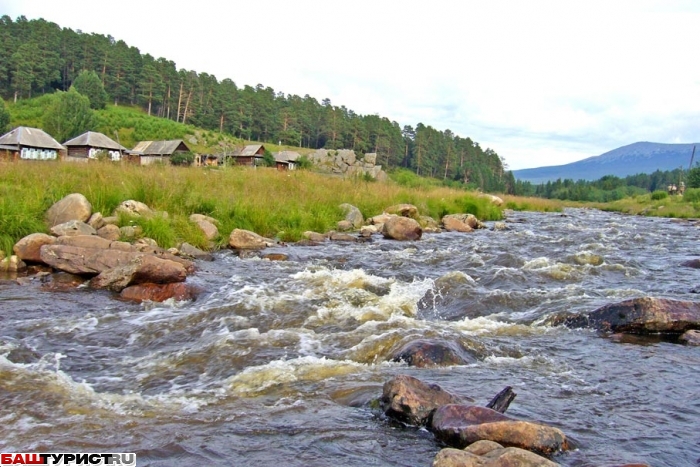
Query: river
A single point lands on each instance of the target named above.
(278, 361)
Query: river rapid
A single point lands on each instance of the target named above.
(278, 361)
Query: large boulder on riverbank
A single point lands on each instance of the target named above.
(206, 224)
(246, 240)
(352, 215)
(645, 315)
(141, 269)
(134, 208)
(93, 261)
(29, 248)
(402, 228)
(72, 207)
(461, 222)
(412, 401)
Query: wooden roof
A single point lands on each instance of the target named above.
(31, 137)
(251, 150)
(94, 140)
(287, 156)
(160, 148)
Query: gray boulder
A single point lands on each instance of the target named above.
(72, 228)
(353, 215)
(72, 207)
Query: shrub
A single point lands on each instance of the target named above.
(691, 195)
(658, 195)
(182, 158)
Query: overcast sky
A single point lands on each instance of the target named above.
(541, 82)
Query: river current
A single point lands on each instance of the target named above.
(277, 362)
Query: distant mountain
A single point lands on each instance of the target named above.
(633, 159)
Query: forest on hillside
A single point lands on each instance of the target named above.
(39, 57)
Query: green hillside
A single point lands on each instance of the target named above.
(39, 58)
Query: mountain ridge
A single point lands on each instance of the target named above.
(632, 159)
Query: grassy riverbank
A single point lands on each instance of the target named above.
(271, 203)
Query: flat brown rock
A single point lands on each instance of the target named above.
(513, 433)
(449, 420)
(647, 315)
(402, 228)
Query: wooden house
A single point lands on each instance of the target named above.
(250, 155)
(24, 143)
(286, 160)
(91, 145)
(149, 152)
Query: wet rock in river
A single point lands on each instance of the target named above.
(141, 269)
(92, 261)
(61, 282)
(448, 420)
(413, 401)
(193, 252)
(504, 457)
(637, 316)
(691, 337)
(160, 292)
(28, 248)
(425, 353)
(534, 437)
(692, 263)
(402, 228)
(461, 223)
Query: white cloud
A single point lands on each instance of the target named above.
(543, 82)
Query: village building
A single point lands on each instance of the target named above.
(251, 155)
(207, 160)
(25, 143)
(148, 152)
(92, 145)
(286, 160)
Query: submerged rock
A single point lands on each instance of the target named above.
(425, 353)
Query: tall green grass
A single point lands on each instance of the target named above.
(271, 203)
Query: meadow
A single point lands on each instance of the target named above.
(274, 204)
